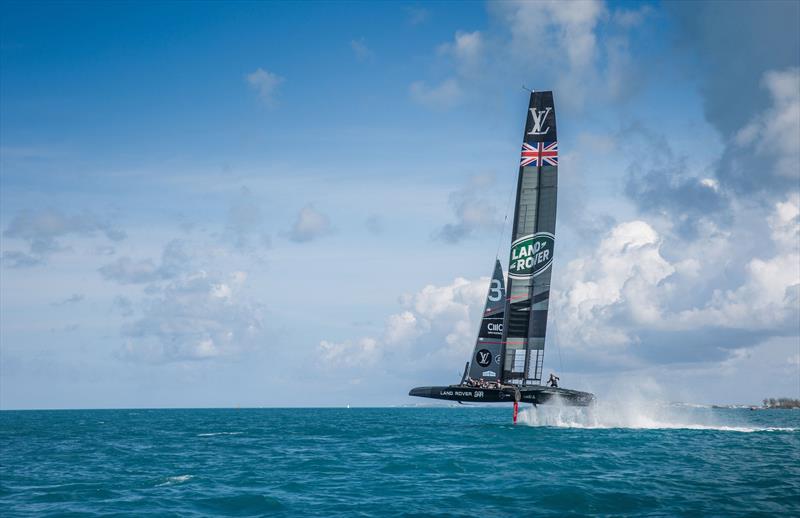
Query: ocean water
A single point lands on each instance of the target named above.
(463, 461)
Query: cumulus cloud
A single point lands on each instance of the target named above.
(758, 120)
(764, 155)
(467, 50)
(660, 181)
(624, 303)
(309, 225)
(444, 95)
(361, 353)
(43, 232)
(569, 28)
(474, 211)
(175, 259)
(265, 84)
(198, 316)
(630, 296)
(618, 283)
(570, 55)
(768, 297)
(435, 325)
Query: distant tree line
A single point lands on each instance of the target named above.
(781, 402)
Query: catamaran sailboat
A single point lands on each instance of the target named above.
(507, 362)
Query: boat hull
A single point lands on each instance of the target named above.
(534, 394)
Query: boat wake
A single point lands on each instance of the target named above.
(637, 413)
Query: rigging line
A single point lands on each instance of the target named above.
(511, 191)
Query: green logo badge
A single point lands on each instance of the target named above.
(531, 255)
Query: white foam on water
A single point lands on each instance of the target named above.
(635, 408)
(171, 481)
(218, 433)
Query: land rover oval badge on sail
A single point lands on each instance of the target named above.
(531, 255)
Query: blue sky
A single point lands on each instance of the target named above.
(299, 204)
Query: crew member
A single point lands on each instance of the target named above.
(553, 381)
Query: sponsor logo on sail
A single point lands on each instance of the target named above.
(483, 357)
(489, 374)
(531, 255)
(539, 118)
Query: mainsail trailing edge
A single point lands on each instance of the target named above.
(510, 359)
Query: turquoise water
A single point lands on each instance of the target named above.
(400, 461)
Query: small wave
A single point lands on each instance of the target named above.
(171, 481)
(218, 433)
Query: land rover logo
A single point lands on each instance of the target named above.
(531, 255)
(483, 357)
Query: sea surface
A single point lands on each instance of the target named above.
(463, 461)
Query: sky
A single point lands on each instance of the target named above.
(300, 204)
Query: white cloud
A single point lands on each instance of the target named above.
(784, 223)
(776, 132)
(43, 229)
(474, 209)
(769, 296)
(265, 84)
(131, 271)
(175, 259)
(564, 36)
(244, 224)
(72, 299)
(442, 96)
(402, 328)
(568, 27)
(309, 225)
(437, 324)
(417, 15)
(621, 277)
(467, 49)
(363, 353)
(197, 316)
(361, 50)
(558, 39)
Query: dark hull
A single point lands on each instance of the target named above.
(535, 394)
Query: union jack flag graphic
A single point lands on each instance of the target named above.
(546, 152)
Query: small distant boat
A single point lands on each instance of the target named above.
(508, 358)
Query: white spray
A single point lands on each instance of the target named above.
(635, 405)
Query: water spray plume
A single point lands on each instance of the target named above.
(635, 406)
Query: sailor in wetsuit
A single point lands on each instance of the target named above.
(553, 381)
